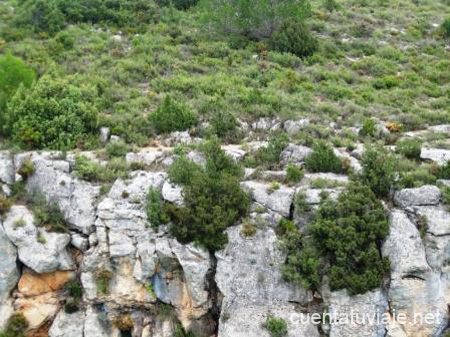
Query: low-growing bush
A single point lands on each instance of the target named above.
(27, 169)
(117, 149)
(154, 208)
(16, 326)
(270, 155)
(276, 326)
(47, 214)
(444, 171)
(224, 124)
(323, 159)
(379, 170)
(446, 28)
(94, 172)
(179, 4)
(294, 37)
(102, 279)
(213, 199)
(410, 148)
(54, 114)
(294, 174)
(369, 128)
(5, 204)
(172, 116)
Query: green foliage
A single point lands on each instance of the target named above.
(331, 5)
(323, 159)
(294, 37)
(95, 172)
(16, 326)
(47, 214)
(255, 19)
(270, 155)
(172, 116)
(74, 289)
(5, 204)
(379, 170)
(13, 73)
(446, 195)
(369, 128)
(446, 28)
(410, 148)
(51, 16)
(102, 279)
(154, 208)
(224, 124)
(294, 174)
(179, 4)
(27, 169)
(213, 198)
(55, 114)
(71, 306)
(444, 171)
(349, 235)
(117, 149)
(276, 326)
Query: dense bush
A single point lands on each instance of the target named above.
(379, 170)
(54, 114)
(51, 16)
(270, 155)
(172, 116)
(255, 19)
(179, 4)
(16, 326)
(213, 198)
(323, 159)
(345, 242)
(13, 73)
(410, 148)
(95, 172)
(47, 214)
(154, 208)
(294, 37)
(444, 171)
(224, 124)
(446, 28)
(117, 149)
(276, 326)
(294, 174)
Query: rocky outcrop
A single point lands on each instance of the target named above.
(422, 196)
(42, 251)
(438, 156)
(251, 283)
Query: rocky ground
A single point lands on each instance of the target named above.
(154, 284)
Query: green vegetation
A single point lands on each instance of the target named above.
(95, 172)
(16, 326)
(410, 148)
(344, 242)
(54, 114)
(13, 73)
(276, 326)
(444, 171)
(117, 149)
(270, 156)
(379, 170)
(213, 198)
(27, 169)
(102, 279)
(172, 116)
(323, 159)
(294, 174)
(5, 204)
(154, 207)
(46, 214)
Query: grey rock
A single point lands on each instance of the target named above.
(104, 134)
(145, 157)
(295, 154)
(79, 241)
(437, 155)
(279, 201)
(43, 257)
(172, 193)
(437, 219)
(7, 173)
(404, 246)
(115, 138)
(121, 245)
(67, 325)
(422, 196)
(365, 305)
(96, 324)
(293, 127)
(196, 157)
(445, 182)
(179, 138)
(314, 196)
(234, 151)
(9, 271)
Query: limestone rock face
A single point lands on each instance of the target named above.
(295, 154)
(6, 168)
(422, 196)
(251, 283)
(279, 201)
(68, 325)
(38, 249)
(33, 284)
(436, 155)
(75, 198)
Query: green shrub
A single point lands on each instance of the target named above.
(323, 159)
(410, 148)
(47, 214)
(446, 28)
(369, 128)
(5, 204)
(51, 16)
(117, 149)
(74, 289)
(446, 195)
(276, 326)
(349, 235)
(154, 208)
(294, 174)
(270, 155)
(444, 171)
(224, 124)
(102, 278)
(379, 170)
(13, 73)
(172, 116)
(55, 114)
(255, 19)
(213, 199)
(94, 172)
(331, 5)
(294, 37)
(179, 4)
(16, 326)
(27, 169)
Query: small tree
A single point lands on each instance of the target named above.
(172, 116)
(253, 18)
